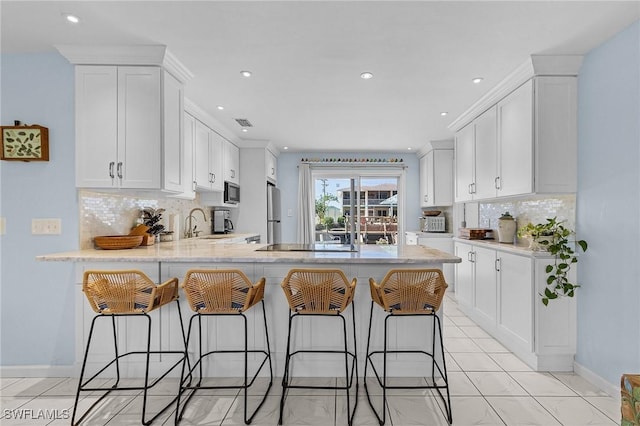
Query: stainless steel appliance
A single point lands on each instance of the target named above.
(273, 214)
(221, 222)
(433, 224)
(231, 193)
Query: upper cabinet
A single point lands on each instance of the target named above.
(436, 178)
(129, 117)
(271, 166)
(231, 162)
(208, 172)
(521, 138)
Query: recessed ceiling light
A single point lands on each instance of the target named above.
(366, 75)
(285, 148)
(220, 107)
(443, 113)
(245, 73)
(477, 80)
(245, 130)
(71, 18)
(409, 149)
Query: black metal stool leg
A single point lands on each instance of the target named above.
(285, 375)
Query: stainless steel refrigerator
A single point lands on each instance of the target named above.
(273, 215)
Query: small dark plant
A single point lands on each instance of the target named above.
(557, 244)
(151, 217)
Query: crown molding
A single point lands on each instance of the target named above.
(431, 145)
(534, 66)
(149, 55)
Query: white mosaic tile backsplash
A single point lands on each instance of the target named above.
(115, 213)
(533, 209)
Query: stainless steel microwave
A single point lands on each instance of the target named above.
(231, 193)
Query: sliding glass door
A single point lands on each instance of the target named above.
(363, 204)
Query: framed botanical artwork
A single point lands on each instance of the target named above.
(25, 143)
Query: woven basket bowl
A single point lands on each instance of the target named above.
(431, 212)
(117, 242)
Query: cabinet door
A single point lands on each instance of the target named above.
(231, 162)
(189, 139)
(96, 107)
(271, 164)
(139, 127)
(426, 180)
(201, 173)
(464, 163)
(485, 296)
(442, 177)
(464, 274)
(486, 155)
(173, 161)
(515, 291)
(515, 118)
(215, 161)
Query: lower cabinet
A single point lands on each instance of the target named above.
(499, 290)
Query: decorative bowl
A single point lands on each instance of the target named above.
(118, 242)
(431, 212)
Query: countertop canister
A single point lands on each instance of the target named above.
(506, 228)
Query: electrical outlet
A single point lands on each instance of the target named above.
(46, 226)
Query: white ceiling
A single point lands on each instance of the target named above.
(307, 56)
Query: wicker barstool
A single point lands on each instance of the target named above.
(409, 292)
(223, 292)
(317, 293)
(126, 293)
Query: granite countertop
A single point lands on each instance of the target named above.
(519, 248)
(207, 250)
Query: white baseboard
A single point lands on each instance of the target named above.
(38, 371)
(612, 389)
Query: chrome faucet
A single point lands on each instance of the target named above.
(189, 231)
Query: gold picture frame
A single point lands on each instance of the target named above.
(25, 143)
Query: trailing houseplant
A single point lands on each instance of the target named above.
(553, 236)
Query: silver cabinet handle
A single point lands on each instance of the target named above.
(111, 164)
(497, 264)
(194, 184)
(273, 171)
(213, 177)
(425, 198)
(120, 169)
(497, 183)
(473, 188)
(469, 189)
(233, 173)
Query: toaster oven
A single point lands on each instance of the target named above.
(432, 224)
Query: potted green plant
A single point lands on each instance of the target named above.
(553, 236)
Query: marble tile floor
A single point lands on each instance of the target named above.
(489, 386)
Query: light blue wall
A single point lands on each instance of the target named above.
(608, 207)
(37, 298)
(288, 184)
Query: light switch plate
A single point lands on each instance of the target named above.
(46, 226)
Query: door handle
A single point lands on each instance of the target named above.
(111, 164)
(120, 169)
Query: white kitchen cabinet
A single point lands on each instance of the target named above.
(499, 290)
(118, 127)
(526, 143)
(188, 190)
(231, 162)
(174, 177)
(464, 163)
(271, 167)
(129, 128)
(436, 178)
(515, 316)
(208, 159)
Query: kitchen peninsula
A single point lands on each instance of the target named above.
(173, 259)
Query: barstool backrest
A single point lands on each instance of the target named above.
(409, 291)
(126, 292)
(221, 290)
(318, 291)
